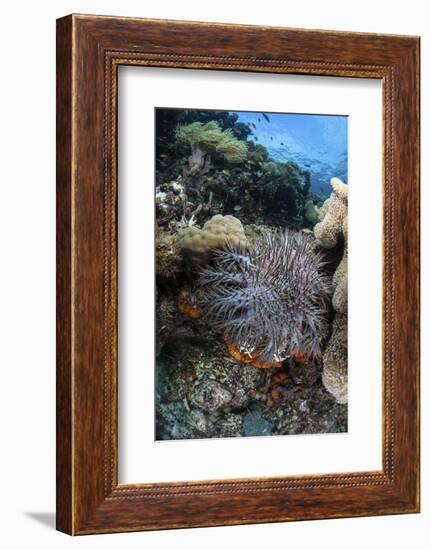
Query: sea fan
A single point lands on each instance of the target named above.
(271, 299)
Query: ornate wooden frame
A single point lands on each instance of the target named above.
(89, 51)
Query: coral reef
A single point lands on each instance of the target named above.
(170, 202)
(188, 306)
(206, 140)
(211, 396)
(168, 255)
(199, 244)
(250, 356)
(271, 299)
(201, 392)
(306, 409)
(165, 320)
(247, 343)
(334, 376)
(321, 210)
(339, 298)
(311, 214)
(339, 280)
(328, 231)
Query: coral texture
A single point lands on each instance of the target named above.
(321, 210)
(198, 244)
(270, 301)
(311, 213)
(209, 139)
(334, 375)
(165, 320)
(339, 280)
(168, 254)
(328, 231)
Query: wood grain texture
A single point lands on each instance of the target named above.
(90, 49)
(64, 497)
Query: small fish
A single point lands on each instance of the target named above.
(258, 119)
(237, 208)
(253, 124)
(270, 138)
(281, 143)
(266, 117)
(226, 172)
(255, 137)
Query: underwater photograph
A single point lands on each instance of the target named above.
(251, 273)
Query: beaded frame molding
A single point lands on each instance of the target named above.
(89, 51)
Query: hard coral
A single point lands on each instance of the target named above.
(339, 280)
(168, 255)
(334, 376)
(270, 300)
(329, 229)
(198, 244)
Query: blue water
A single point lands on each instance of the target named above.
(317, 143)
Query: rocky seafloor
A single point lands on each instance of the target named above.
(202, 389)
(202, 392)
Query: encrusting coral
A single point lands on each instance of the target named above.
(334, 376)
(269, 301)
(206, 140)
(198, 244)
(168, 255)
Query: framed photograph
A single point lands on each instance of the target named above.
(237, 274)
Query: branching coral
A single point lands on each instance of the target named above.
(270, 301)
(334, 376)
(198, 244)
(209, 139)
